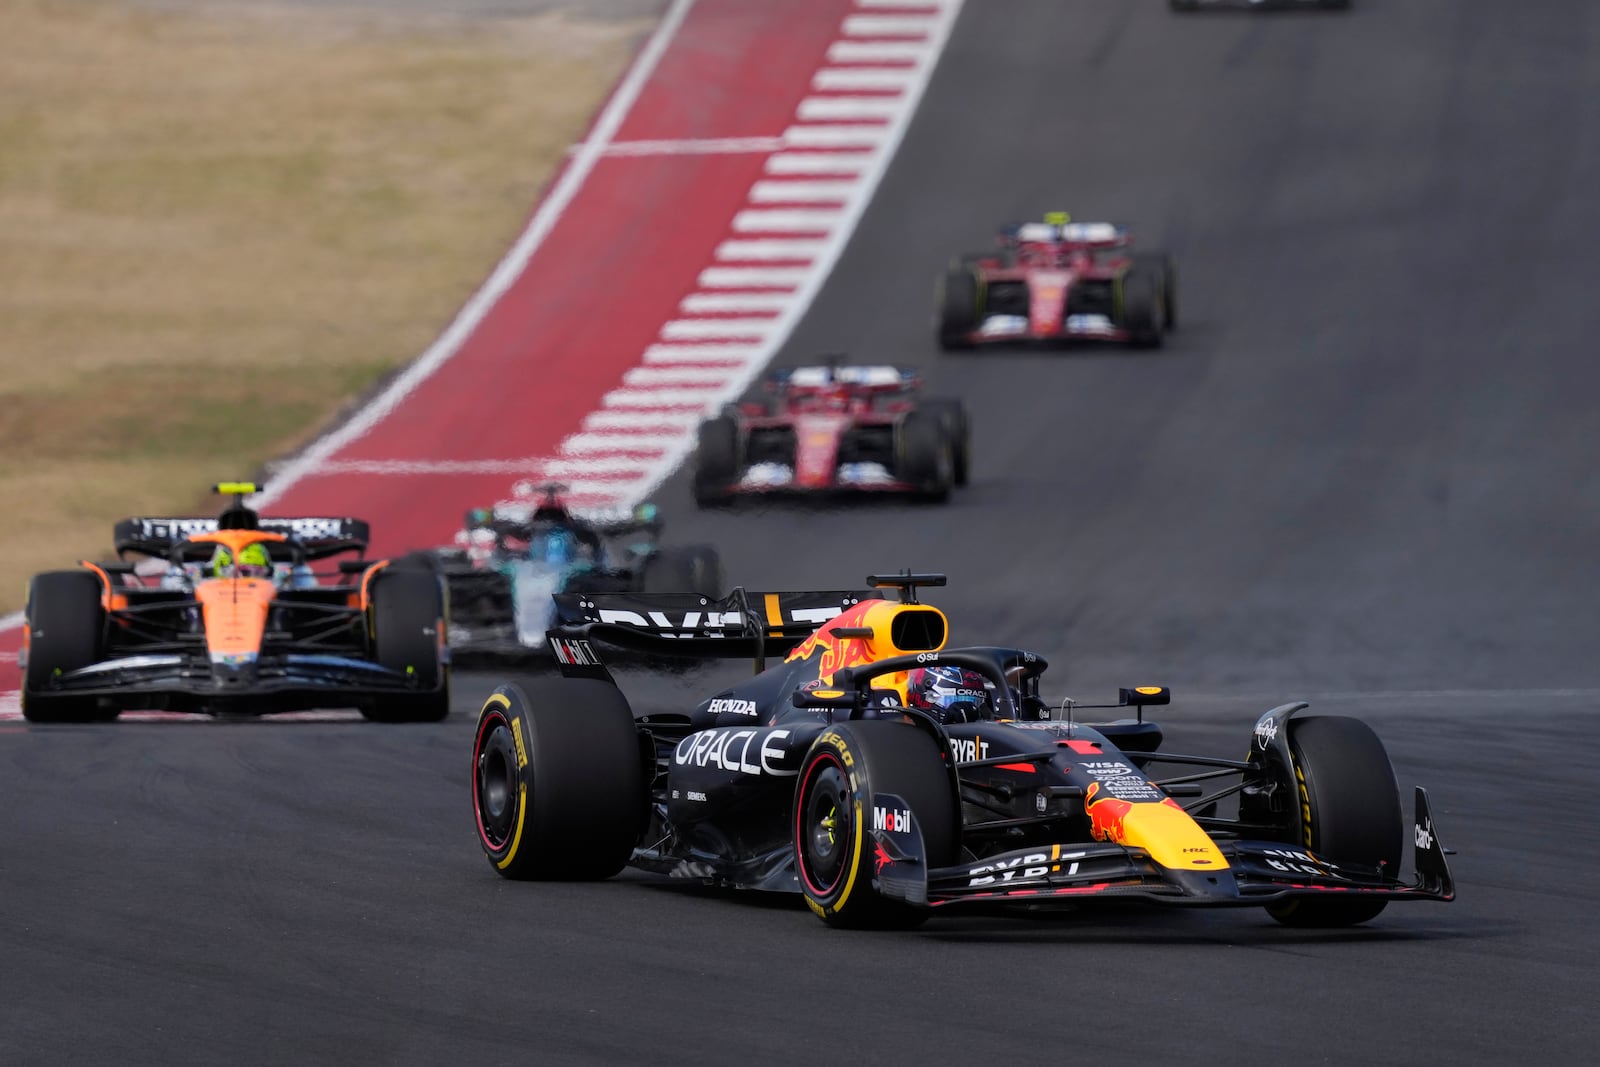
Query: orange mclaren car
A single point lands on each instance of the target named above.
(236, 615)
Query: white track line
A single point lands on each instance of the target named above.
(845, 79)
(769, 250)
(577, 468)
(582, 443)
(751, 277)
(843, 108)
(711, 303)
(842, 136)
(853, 163)
(788, 191)
(655, 377)
(878, 52)
(906, 3)
(918, 26)
(505, 274)
(659, 399)
(786, 220)
(711, 329)
(692, 353)
(673, 422)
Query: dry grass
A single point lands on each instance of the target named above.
(215, 229)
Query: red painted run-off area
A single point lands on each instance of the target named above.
(594, 294)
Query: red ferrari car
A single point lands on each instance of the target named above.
(1059, 280)
(835, 428)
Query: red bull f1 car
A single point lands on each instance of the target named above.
(1058, 281)
(886, 777)
(835, 428)
(235, 615)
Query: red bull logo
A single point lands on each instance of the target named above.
(1163, 829)
(1107, 815)
(838, 652)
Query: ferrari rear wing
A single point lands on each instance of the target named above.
(744, 623)
(319, 537)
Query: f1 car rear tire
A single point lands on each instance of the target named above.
(716, 467)
(407, 614)
(952, 415)
(958, 308)
(65, 631)
(847, 767)
(1350, 808)
(923, 456)
(558, 779)
(686, 569)
(1142, 312)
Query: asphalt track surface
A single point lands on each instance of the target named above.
(1362, 474)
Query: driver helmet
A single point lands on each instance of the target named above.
(253, 562)
(951, 694)
(554, 546)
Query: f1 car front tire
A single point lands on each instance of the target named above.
(558, 781)
(407, 613)
(716, 467)
(1143, 315)
(833, 807)
(1163, 266)
(65, 631)
(1350, 813)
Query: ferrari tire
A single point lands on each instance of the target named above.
(558, 780)
(953, 417)
(408, 615)
(958, 308)
(1350, 813)
(845, 768)
(716, 468)
(687, 569)
(923, 456)
(1142, 312)
(65, 631)
(1163, 266)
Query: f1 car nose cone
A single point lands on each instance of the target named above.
(1205, 883)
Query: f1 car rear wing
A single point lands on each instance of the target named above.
(318, 537)
(860, 379)
(673, 625)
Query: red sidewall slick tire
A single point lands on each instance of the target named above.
(833, 859)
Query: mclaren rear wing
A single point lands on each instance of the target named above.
(744, 623)
(318, 537)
